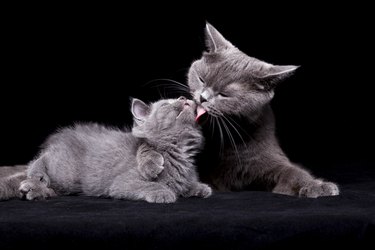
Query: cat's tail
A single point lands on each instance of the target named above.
(10, 179)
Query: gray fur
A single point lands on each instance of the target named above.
(10, 179)
(152, 162)
(236, 89)
(6, 171)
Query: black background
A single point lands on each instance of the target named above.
(63, 64)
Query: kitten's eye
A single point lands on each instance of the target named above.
(223, 94)
(201, 79)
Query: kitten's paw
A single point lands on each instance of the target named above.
(161, 196)
(151, 171)
(151, 168)
(32, 190)
(202, 190)
(199, 190)
(319, 188)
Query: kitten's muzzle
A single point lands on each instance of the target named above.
(186, 103)
(187, 109)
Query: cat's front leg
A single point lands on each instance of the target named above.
(293, 180)
(199, 190)
(150, 162)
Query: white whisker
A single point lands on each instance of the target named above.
(213, 127)
(169, 80)
(221, 136)
(231, 139)
(235, 129)
(170, 86)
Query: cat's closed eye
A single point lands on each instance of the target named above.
(221, 94)
(201, 79)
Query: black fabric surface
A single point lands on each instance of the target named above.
(227, 220)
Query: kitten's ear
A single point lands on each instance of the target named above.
(214, 40)
(140, 110)
(276, 74)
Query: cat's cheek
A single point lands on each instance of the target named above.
(207, 105)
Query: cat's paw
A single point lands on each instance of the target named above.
(202, 190)
(32, 190)
(319, 188)
(161, 196)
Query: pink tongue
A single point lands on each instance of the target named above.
(200, 112)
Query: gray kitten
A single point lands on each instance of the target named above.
(235, 91)
(152, 162)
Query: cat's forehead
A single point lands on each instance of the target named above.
(231, 61)
(228, 74)
(230, 70)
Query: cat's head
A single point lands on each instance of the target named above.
(225, 81)
(163, 120)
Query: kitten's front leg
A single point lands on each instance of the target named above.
(37, 184)
(127, 186)
(34, 189)
(199, 190)
(150, 162)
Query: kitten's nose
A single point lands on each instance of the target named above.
(202, 99)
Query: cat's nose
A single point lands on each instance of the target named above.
(202, 99)
(182, 98)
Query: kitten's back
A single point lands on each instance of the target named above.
(84, 157)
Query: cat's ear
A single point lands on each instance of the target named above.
(276, 74)
(140, 110)
(214, 40)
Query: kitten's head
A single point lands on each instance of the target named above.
(163, 120)
(225, 81)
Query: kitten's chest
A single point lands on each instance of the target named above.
(178, 172)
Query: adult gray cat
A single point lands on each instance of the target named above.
(235, 91)
(152, 162)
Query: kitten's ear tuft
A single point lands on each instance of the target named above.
(140, 110)
(276, 74)
(214, 40)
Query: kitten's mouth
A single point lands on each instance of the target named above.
(200, 112)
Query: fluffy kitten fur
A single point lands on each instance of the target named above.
(153, 162)
(235, 90)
